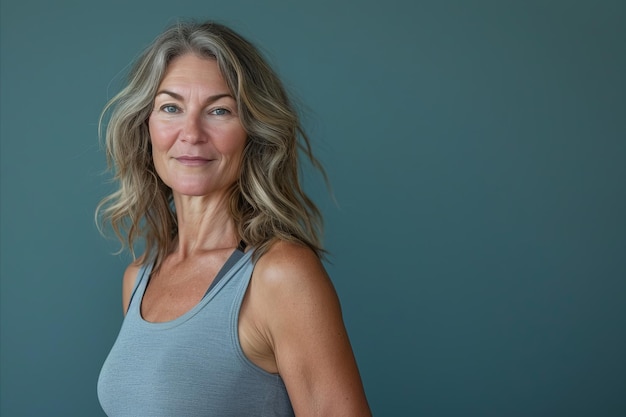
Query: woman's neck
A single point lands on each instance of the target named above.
(204, 224)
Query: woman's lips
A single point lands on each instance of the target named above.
(192, 160)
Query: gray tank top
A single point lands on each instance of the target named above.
(190, 366)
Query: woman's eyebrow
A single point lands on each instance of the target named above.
(209, 99)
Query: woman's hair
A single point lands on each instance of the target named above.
(266, 203)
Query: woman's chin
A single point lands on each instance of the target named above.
(196, 191)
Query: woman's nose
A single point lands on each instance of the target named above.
(192, 131)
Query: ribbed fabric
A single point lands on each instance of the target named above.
(191, 366)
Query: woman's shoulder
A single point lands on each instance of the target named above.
(130, 274)
(286, 259)
(291, 270)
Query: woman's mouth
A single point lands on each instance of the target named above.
(192, 160)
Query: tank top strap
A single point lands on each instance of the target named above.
(144, 271)
(230, 262)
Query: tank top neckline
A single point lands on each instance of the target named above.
(135, 308)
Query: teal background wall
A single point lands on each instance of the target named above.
(477, 151)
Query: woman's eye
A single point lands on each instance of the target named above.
(220, 112)
(168, 108)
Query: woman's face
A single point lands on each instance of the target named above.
(197, 137)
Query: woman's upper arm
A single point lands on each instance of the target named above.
(128, 283)
(307, 333)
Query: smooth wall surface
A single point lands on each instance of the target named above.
(477, 151)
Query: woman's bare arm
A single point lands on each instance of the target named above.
(304, 326)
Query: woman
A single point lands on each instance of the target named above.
(229, 312)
